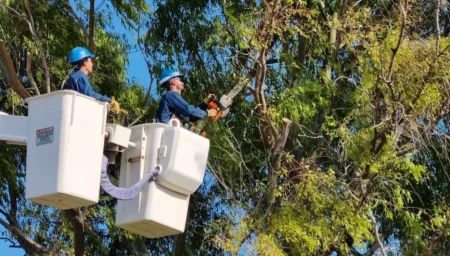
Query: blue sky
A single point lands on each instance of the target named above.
(5, 250)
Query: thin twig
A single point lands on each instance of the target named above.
(438, 30)
(39, 45)
(27, 242)
(11, 9)
(377, 235)
(75, 16)
(13, 243)
(403, 10)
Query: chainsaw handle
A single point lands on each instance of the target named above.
(213, 105)
(215, 118)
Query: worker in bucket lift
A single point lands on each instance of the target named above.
(82, 61)
(172, 105)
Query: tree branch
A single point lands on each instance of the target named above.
(77, 19)
(13, 243)
(272, 61)
(275, 163)
(10, 73)
(91, 25)
(39, 45)
(403, 11)
(30, 246)
(13, 203)
(14, 11)
(77, 218)
(438, 29)
(30, 75)
(377, 236)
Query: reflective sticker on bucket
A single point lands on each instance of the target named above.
(45, 136)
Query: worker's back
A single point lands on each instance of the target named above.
(165, 111)
(73, 81)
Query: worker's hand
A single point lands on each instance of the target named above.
(211, 112)
(209, 98)
(115, 106)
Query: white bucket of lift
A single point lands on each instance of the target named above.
(64, 149)
(182, 156)
(161, 208)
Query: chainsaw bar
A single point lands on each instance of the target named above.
(223, 106)
(226, 100)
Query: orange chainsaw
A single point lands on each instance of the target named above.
(222, 106)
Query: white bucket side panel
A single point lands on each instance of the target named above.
(147, 137)
(130, 174)
(64, 152)
(165, 214)
(184, 161)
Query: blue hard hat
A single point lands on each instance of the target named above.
(79, 53)
(166, 75)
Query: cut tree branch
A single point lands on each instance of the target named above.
(275, 163)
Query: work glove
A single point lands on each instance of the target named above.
(209, 98)
(115, 106)
(211, 112)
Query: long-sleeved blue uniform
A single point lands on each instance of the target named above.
(79, 81)
(172, 103)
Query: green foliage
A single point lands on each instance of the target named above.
(367, 149)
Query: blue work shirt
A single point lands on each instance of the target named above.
(172, 103)
(79, 81)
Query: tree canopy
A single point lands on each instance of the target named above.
(337, 145)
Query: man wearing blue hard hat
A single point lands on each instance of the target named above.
(172, 105)
(81, 59)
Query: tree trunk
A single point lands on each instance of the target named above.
(180, 243)
(76, 218)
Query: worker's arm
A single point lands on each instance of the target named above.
(85, 87)
(202, 106)
(181, 106)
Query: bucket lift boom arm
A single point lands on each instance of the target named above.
(13, 129)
